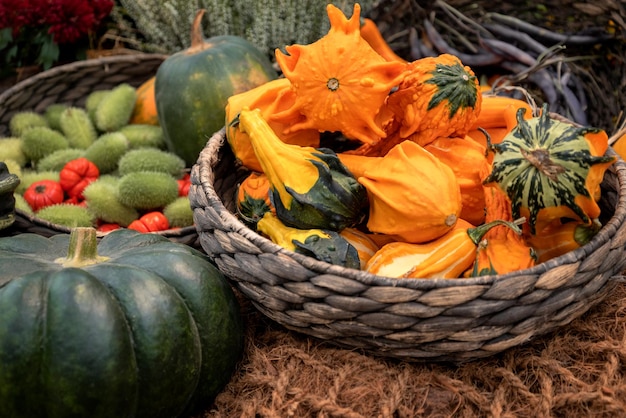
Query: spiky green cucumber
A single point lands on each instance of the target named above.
(106, 152)
(41, 141)
(58, 159)
(77, 127)
(147, 190)
(151, 159)
(53, 115)
(23, 121)
(67, 214)
(140, 135)
(179, 213)
(93, 100)
(116, 108)
(22, 204)
(11, 149)
(103, 202)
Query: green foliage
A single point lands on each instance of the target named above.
(165, 25)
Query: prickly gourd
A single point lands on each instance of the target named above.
(309, 187)
(551, 169)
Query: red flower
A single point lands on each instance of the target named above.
(70, 20)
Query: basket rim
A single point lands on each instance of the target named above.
(208, 157)
(77, 66)
(62, 229)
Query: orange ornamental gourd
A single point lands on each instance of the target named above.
(193, 85)
(561, 236)
(412, 194)
(551, 169)
(253, 198)
(469, 162)
(438, 97)
(446, 257)
(502, 249)
(145, 111)
(340, 82)
(271, 97)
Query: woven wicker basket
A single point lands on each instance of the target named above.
(71, 84)
(410, 319)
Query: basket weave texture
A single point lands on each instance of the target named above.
(71, 84)
(409, 319)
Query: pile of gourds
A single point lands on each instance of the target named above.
(426, 174)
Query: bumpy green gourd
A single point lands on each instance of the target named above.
(93, 100)
(23, 121)
(179, 213)
(41, 141)
(310, 188)
(53, 115)
(67, 214)
(28, 177)
(106, 152)
(56, 160)
(146, 190)
(141, 135)
(11, 149)
(324, 245)
(151, 159)
(77, 127)
(116, 108)
(103, 202)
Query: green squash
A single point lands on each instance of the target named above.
(135, 326)
(551, 169)
(192, 87)
(8, 184)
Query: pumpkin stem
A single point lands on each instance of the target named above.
(197, 37)
(477, 233)
(83, 249)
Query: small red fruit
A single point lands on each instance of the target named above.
(43, 193)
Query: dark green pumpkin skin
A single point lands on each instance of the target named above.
(192, 87)
(153, 331)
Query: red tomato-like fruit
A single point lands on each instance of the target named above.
(43, 193)
(76, 175)
(150, 222)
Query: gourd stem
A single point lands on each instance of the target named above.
(477, 233)
(82, 249)
(197, 37)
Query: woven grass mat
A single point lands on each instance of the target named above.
(578, 371)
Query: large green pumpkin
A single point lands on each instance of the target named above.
(135, 326)
(193, 86)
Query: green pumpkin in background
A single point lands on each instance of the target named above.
(193, 85)
(135, 326)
